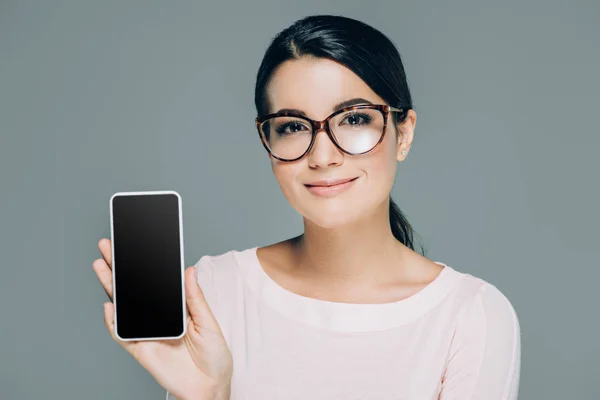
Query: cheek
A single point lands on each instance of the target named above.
(285, 174)
(380, 166)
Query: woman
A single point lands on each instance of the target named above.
(348, 309)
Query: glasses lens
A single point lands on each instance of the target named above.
(357, 131)
(287, 137)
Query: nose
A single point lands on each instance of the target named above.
(324, 152)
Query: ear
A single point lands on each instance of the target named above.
(406, 131)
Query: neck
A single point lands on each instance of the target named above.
(358, 252)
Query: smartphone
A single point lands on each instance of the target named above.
(148, 265)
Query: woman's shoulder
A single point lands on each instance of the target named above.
(224, 262)
(478, 299)
(238, 260)
(487, 327)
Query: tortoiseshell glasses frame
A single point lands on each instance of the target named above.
(385, 110)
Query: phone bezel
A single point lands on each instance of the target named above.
(182, 261)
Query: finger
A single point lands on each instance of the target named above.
(109, 321)
(104, 275)
(106, 250)
(196, 302)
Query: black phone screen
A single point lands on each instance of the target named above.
(148, 263)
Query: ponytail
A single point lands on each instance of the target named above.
(401, 228)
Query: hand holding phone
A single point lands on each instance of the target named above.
(187, 365)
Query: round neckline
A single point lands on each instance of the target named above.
(339, 316)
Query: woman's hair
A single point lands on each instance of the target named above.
(359, 47)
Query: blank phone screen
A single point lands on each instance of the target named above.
(147, 266)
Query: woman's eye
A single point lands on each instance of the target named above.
(358, 119)
(290, 127)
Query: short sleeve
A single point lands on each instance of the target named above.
(204, 275)
(485, 354)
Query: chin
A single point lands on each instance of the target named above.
(333, 219)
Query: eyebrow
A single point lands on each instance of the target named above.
(338, 106)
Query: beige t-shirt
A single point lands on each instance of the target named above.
(456, 339)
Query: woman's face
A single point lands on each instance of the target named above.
(315, 86)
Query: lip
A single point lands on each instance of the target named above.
(330, 182)
(332, 187)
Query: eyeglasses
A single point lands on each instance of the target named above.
(354, 130)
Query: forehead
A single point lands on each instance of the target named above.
(315, 85)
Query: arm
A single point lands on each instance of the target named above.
(485, 355)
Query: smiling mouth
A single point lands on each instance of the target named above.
(325, 185)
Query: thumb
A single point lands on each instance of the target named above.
(199, 310)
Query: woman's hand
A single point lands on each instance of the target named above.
(197, 364)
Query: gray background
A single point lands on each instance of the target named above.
(104, 96)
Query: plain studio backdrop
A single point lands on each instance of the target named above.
(104, 96)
